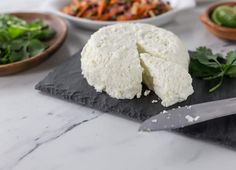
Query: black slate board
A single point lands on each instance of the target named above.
(66, 82)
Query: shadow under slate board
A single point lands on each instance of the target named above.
(66, 82)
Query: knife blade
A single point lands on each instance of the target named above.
(189, 115)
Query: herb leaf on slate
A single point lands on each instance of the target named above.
(208, 66)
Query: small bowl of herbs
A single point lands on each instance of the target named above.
(220, 19)
(27, 39)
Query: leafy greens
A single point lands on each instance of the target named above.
(208, 66)
(20, 39)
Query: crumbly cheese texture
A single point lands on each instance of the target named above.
(111, 62)
(170, 81)
(162, 44)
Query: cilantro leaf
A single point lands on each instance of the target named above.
(231, 72)
(208, 66)
(231, 64)
(44, 35)
(206, 57)
(35, 47)
(201, 70)
(15, 31)
(231, 58)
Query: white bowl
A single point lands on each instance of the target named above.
(205, 1)
(55, 6)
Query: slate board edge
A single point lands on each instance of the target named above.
(50, 91)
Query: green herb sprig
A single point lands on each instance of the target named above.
(20, 39)
(208, 66)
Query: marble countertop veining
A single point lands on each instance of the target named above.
(38, 132)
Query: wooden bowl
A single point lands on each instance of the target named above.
(54, 44)
(219, 31)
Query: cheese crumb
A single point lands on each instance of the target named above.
(188, 107)
(154, 101)
(154, 120)
(191, 119)
(146, 92)
(164, 112)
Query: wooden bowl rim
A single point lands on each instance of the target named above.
(205, 18)
(60, 39)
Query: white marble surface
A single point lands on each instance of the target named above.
(38, 132)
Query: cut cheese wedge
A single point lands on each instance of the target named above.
(171, 82)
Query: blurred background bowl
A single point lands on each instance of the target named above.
(54, 44)
(219, 31)
(56, 6)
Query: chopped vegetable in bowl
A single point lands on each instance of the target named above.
(116, 10)
(20, 40)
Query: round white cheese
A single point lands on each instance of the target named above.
(110, 61)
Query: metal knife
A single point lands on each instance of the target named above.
(189, 115)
